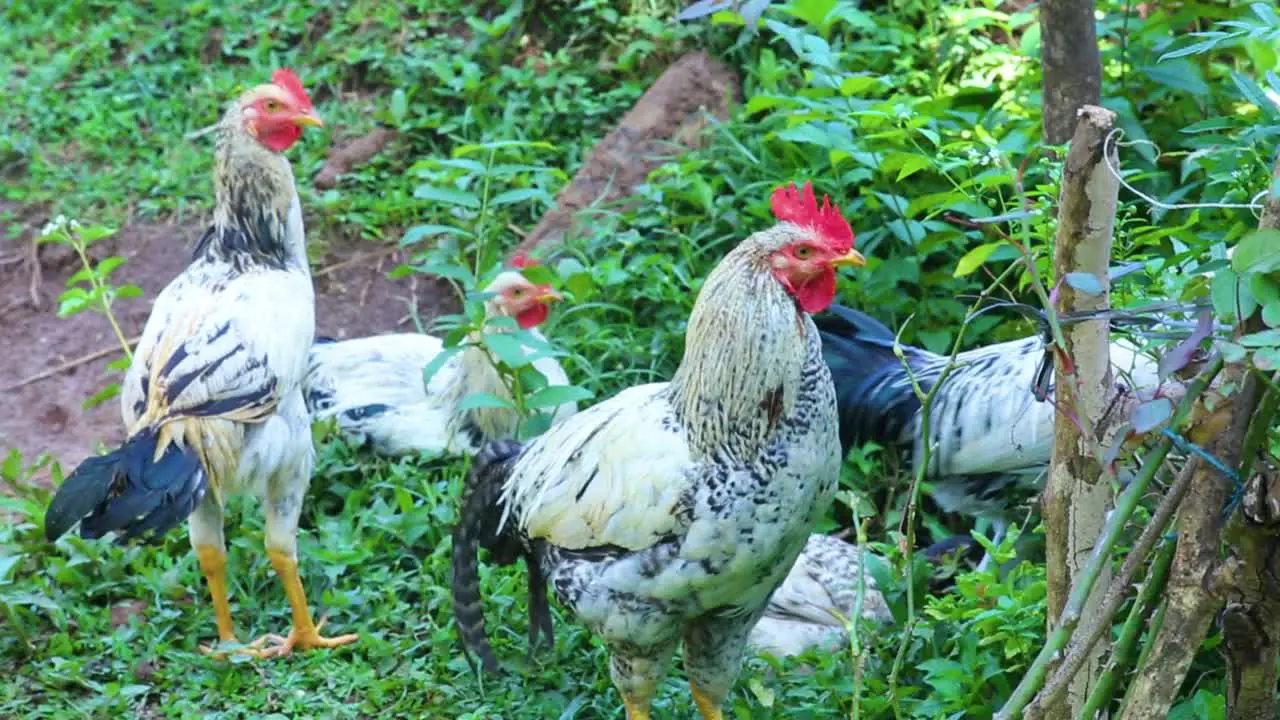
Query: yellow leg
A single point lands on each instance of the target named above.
(708, 708)
(635, 710)
(305, 634)
(213, 561)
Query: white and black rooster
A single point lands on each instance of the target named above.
(213, 399)
(989, 434)
(668, 514)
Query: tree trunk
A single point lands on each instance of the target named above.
(1070, 65)
(1075, 502)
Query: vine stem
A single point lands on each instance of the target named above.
(104, 298)
(922, 468)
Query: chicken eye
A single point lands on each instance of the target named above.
(804, 252)
(271, 106)
(517, 293)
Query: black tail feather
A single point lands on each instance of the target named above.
(874, 397)
(478, 527)
(129, 492)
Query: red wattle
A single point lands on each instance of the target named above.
(817, 293)
(279, 137)
(533, 316)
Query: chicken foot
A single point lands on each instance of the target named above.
(305, 634)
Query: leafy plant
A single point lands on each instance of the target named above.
(90, 289)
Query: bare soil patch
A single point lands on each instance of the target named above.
(354, 297)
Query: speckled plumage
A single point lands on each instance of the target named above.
(809, 609)
(669, 513)
(373, 387)
(989, 434)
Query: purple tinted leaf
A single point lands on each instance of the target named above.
(1177, 358)
(702, 8)
(1053, 294)
(1128, 268)
(752, 10)
(1149, 415)
(1087, 283)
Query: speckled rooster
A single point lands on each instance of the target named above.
(669, 513)
(213, 399)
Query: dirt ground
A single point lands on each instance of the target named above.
(353, 297)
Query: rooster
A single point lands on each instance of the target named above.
(989, 436)
(669, 513)
(373, 386)
(213, 397)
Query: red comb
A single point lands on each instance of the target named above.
(522, 260)
(288, 79)
(801, 208)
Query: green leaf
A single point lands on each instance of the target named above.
(1265, 338)
(418, 233)
(512, 197)
(507, 349)
(447, 196)
(556, 395)
(581, 285)
(399, 105)
(1267, 359)
(974, 259)
(125, 292)
(1230, 297)
(476, 400)
(438, 362)
(72, 305)
(448, 270)
(569, 267)
(912, 165)
(108, 265)
(1259, 251)
(1271, 314)
(1231, 352)
(102, 396)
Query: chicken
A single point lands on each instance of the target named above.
(669, 513)
(989, 435)
(373, 385)
(213, 398)
(811, 606)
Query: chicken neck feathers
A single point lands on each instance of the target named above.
(226, 341)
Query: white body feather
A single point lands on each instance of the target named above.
(811, 606)
(373, 386)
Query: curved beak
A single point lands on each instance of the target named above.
(308, 119)
(548, 295)
(853, 257)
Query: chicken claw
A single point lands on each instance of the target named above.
(300, 639)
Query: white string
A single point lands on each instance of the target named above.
(1113, 136)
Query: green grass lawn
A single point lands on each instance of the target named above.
(905, 112)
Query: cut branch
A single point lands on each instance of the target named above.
(1075, 502)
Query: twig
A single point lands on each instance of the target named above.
(1100, 622)
(69, 365)
(1157, 577)
(1101, 554)
(355, 260)
(921, 467)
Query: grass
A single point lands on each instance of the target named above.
(903, 126)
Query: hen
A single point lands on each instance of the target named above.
(669, 513)
(213, 398)
(373, 386)
(809, 609)
(988, 433)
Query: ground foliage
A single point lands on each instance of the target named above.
(909, 113)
